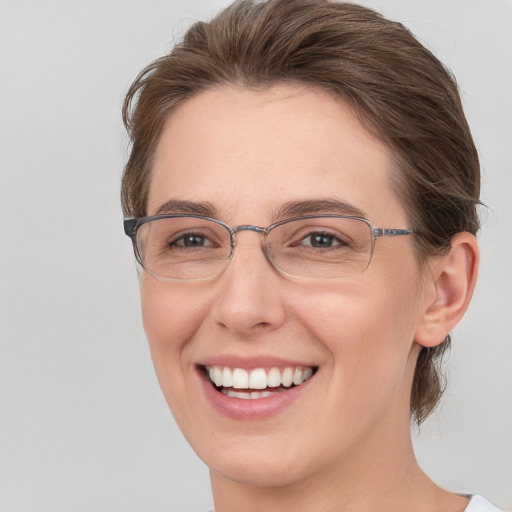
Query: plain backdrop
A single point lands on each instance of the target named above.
(83, 424)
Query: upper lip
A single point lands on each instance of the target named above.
(250, 363)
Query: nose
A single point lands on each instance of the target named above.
(249, 300)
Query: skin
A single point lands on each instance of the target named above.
(344, 444)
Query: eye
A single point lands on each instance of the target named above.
(191, 240)
(321, 240)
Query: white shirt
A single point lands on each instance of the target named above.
(479, 504)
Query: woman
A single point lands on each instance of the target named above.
(301, 194)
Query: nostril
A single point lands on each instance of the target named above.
(261, 325)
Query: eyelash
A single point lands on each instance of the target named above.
(181, 238)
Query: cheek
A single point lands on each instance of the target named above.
(166, 320)
(367, 331)
(354, 316)
(171, 312)
(170, 319)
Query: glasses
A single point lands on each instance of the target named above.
(182, 247)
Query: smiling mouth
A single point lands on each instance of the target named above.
(256, 383)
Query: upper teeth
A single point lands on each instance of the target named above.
(259, 378)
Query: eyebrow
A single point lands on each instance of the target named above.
(204, 209)
(312, 206)
(287, 210)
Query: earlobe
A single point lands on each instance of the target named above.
(452, 281)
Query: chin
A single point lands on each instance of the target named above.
(260, 471)
(259, 461)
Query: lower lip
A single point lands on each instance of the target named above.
(251, 409)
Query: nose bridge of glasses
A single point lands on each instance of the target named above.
(247, 227)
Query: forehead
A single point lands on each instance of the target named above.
(247, 152)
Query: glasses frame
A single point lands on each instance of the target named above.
(132, 225)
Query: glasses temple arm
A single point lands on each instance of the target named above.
(391, 232)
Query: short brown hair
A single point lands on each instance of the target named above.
(402, 94)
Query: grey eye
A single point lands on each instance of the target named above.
(192, 240)
(321, 240)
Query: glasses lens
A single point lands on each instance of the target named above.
(321, 247)
(183, 247)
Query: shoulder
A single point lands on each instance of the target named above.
(479, 504)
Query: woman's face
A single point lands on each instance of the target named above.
(245, 155)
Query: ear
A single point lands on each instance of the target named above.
(449, 288)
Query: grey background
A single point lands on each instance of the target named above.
(83, 424)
